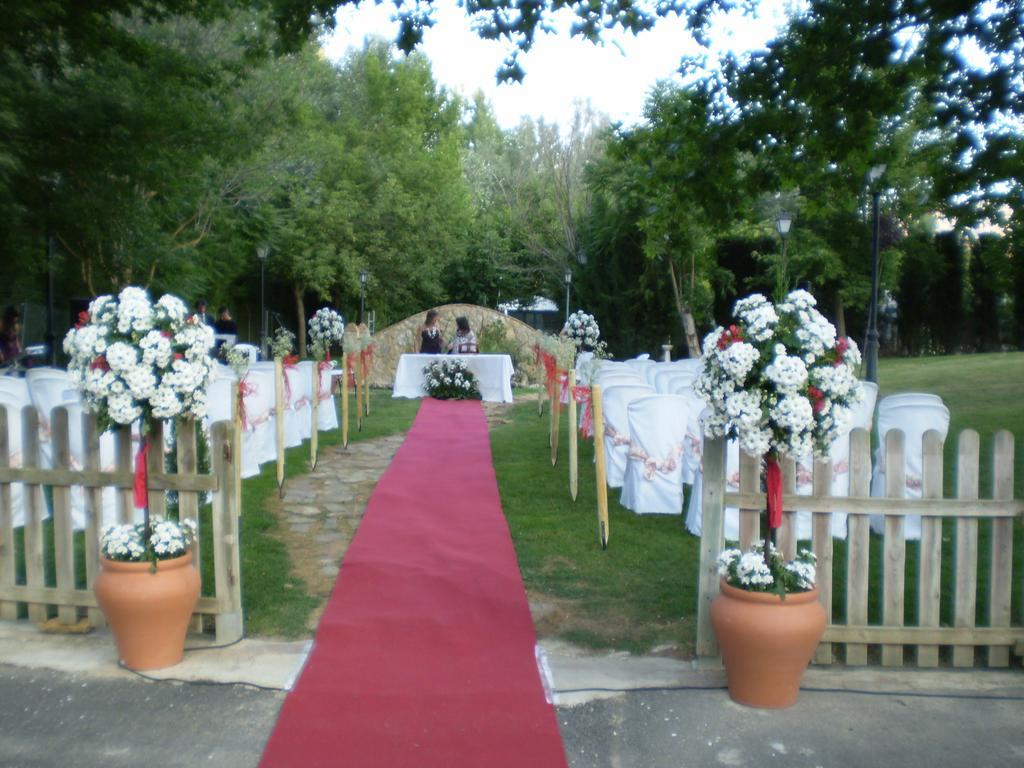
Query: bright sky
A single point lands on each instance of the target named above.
(615, 77)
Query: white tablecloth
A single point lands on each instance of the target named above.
(494, 373)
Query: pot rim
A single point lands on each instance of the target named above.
(180, 561)
(768, 598)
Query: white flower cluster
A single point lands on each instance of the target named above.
(326, 329)
(748, 570)
(282, 344)
(582, 329)
(450, 379)
(134, 359)
(168, 538)
(779, 379)
(238, 360)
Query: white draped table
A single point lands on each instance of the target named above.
(493, 372)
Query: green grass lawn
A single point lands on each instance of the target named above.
(642, 591)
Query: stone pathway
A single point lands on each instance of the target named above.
(320, 512)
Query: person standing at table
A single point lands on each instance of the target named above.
(431, 340)
(224, 323)
(201, 313)
(464, 342)
(10, 335)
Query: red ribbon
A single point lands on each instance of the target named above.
(244, 389)
(323, 365)
(288, 361)
(774, 481)
(141, 476)
(582, 395)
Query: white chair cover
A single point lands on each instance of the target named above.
(303, 397)
(48, 389)
(641, 364)
(662, 382)
(620, 378)
(14, 397)
(614, 401)
(732, 485)
(327, 411)
(258, 432)
(653, 481)
(915, 416)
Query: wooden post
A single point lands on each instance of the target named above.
(93, 510)
(63, 530)
(574, 469)
(540, 396)
(712, 526)
(366, 383)
(34, 574)
(930, 569)
(1002, 546)
(821, 538)
(236, 422)
(788, 533)
(894, 546)
(188, 501)
(314, 434)
(359, 395)
(8, 608)
(750, 482)
(227, 569)
(157, 500)
(279, 421)
(125, 463)
(966, 545)
(858, 546)
(556, 418)
(344, 399)
(602, 478)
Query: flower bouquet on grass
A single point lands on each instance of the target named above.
(450, 380)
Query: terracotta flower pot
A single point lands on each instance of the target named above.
(766, 643)
(148, 612)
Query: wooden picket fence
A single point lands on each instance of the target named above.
(70, 601)
(853, 638)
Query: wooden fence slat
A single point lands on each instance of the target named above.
(85, 598)
(34, 506)
(600, 467)
(986, 508)
(227, 568)
(8, 608)
(155, 465)
(965, 602)
(858, 544)
(93, 510)
(1001, 584)
(822, 546)
(125, 503)
(930, 562)
(712, 538)
(750, 483)
(279, 420)
(63, 530)
(787, 533)
(188, 501)
(894, 546)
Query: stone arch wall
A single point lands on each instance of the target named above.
(516, 338)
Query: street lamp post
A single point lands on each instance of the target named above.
(568, 285)
(364, 275)
(783, 223)
(871, 345)
(262, 252)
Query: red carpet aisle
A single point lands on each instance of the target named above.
(425, 654)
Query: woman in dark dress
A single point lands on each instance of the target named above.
(431, 341)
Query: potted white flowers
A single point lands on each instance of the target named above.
(780, 382)
(137, 360)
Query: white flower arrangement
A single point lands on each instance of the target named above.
(452, 379)
(133, 359)
(778, 379)
(282, 344)
(326, 330)
(238, 361)
(755, 573)
(582, 329)
(168, 539)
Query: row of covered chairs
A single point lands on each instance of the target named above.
(653, 444)
(49, 388)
